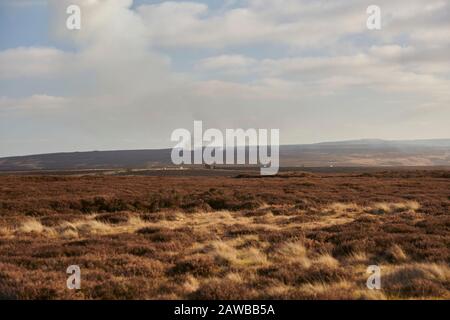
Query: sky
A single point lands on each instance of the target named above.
(138, 70)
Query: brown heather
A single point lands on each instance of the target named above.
(296, 236)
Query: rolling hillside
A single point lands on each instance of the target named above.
(341, 153)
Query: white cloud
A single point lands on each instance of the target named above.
(298, 24)
(294, 23)
(226, 61)
(310, 68)
(34, 103)
(33, 62)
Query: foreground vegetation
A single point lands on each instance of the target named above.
(296, 236)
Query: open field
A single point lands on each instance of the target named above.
(300, 235)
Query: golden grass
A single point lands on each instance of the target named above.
(85, 227)
(5, 232)
(251, 257)
(357, 257)
(35, 227)
(397, 253)
(340, 208)
(326, 260)
(320, 290)
(392, 207)
(281, 253)
(225, 252)
(293, 252)
(431, 271)
(191, 284)
(339, 213)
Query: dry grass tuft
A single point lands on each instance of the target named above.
(5, 232)
(225, 253)
(357, 257)
(341, 208)
(293, 252)
(330, 291)
(420, 280)
(191, 284)
(397, 253)
(222, 252)
(249, 257)
(326, 261)
(35, 227)
(31, 226)
(385, 207)
(86, 227)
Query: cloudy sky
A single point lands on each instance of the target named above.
(139, 69)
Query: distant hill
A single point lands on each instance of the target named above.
(88, 160)
(368, 152)
(374, 143)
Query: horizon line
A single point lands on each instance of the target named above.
(281, 145)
